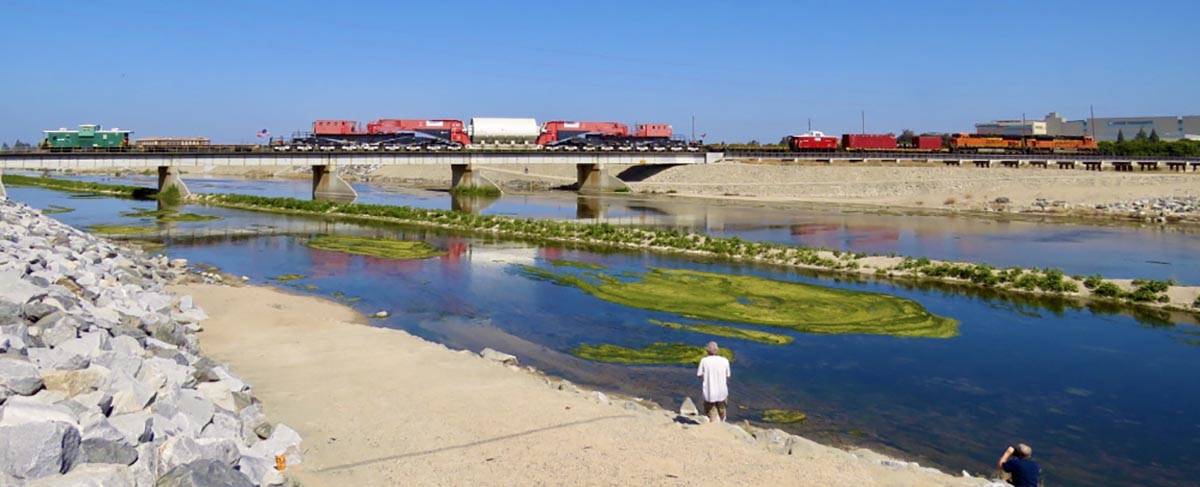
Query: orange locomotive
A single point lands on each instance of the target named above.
(1022, 143)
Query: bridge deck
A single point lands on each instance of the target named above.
(87, 160)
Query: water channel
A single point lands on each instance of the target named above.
(1101, 394)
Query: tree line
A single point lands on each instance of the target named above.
(1149, 144)
(16, 146)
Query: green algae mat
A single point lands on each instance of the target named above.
(783, 416)
(115, 230)
(169, 216)
(727, 331)
(385, 248)
(657, 353)
(755, 300)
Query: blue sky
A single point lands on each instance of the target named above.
(746, 70)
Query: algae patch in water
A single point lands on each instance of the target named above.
(749, 299)
(576, 264)
(727, 331)
(783, 416)
(55, 210)
(658, 353)
(288, 277)
(170, 216)
(385, 248)
(121, 229)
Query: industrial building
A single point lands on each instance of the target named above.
(1104, 128)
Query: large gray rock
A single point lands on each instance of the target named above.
(131, 397)
(14, 289)
(57, 359)
(23, 409)
(34, 450)
(145, 469)
(256, 467)
(178, 450)
(501, 357)
(89, 344)
(56, 328)
(203, 473)
(101, 399)
(100, 428)
(688, 408)
(223, 425)
(90, 475)
(19, 376)
(135, 427)
(773, 440)
(223, 449)
(219, 394)
(99, 450)
(127, 365)
(283, 441)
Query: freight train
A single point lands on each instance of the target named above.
(484, 133)
(1029, 144)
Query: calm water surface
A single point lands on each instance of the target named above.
(1103, 397)
(1152, 252)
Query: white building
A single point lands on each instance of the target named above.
(1104, 128)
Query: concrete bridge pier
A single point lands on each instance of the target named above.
(593, 178)
(3, 192)
(467, 176)
(168, 177)
(328, 186)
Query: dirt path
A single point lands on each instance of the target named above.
(382, 407)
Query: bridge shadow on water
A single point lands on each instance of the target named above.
(401, 456)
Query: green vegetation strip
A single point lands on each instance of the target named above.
(170, 216)
(79, 186)
(121, 229)
(783, 416)
(749, 299)
(483, 191)
(288, 277)
(55, 209)
(727, 331)
(657, 353)
(576, 264)
(374, 247)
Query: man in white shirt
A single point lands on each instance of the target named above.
(713, 372)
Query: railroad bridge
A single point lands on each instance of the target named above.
(591, 167)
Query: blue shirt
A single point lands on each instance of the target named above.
(1024, 472)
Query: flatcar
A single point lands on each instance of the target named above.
(608, 136)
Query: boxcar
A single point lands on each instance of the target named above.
(869, 141)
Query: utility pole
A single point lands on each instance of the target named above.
(810, 124)
(864, 121)
(1092, 119)
(693, 127)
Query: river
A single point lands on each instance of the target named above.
(1101, 395)
(1116, 251)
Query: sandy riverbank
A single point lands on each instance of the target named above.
(381, 407)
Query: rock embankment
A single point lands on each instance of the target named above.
(101, 381)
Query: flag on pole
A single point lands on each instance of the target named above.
(264, 133)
